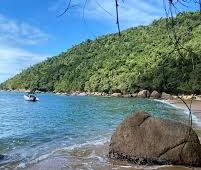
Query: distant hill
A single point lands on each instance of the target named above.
(142, 58)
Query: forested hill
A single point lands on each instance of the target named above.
(143, 57)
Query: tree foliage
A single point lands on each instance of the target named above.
(142, 57)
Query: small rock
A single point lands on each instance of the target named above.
(198, 97)
(74, 94)
(155, 95)
(187, 97)
(104, 94)
(134, 95)
(127, 95)
(144, 94)
(166, 96)
(97, 94)
(116, 95)
(82, 94)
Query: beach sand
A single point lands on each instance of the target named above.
(95, 156)
(196, 106)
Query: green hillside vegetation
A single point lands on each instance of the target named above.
(143, 57)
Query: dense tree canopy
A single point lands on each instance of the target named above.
(142, 57)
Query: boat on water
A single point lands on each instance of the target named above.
(30, 97)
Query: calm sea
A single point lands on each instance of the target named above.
(59, 125)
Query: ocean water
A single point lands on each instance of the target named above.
(70, 127)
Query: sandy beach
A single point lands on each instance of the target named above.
(196, 107)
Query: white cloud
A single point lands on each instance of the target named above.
(13, 60)
(20, 33)
(132, 12)
(14, 38)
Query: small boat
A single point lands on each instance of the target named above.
(31, 97)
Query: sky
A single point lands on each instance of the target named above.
(31, 31)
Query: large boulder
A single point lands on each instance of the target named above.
(155, 95)
(144, 94)
(143, 139)
(166, 96)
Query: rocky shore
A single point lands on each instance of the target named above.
(141, 94)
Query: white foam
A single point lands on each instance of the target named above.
(93, 155)
(196, 120)
(93, 142)
(40, 158)
(68, 148)
(126, 166)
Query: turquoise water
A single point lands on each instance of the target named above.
(28, 130)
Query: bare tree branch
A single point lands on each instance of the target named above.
(66, 10)
(189, 107)
(109, 13)
(117, 16)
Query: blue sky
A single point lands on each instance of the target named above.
(30, 31)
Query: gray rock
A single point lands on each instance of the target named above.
(104, 94)
(134, 95)
(155, 95)
(116, 95)
(198, 97)
(82, 94)
(127, 95)
(143, 139)
(166, 96)
(97, 94)
(74, 94)
(144, 94)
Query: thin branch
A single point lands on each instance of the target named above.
(66, 10)
(117, 16)
(189, 109)
(109, 13)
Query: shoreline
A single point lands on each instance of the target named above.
(96, 155)
(93, 157)
(100, 152)
(195, 107)
(140, 94)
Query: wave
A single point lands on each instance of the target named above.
(87, 144)
(196, 120)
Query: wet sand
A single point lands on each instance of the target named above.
(89, 158)
(196, 106)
